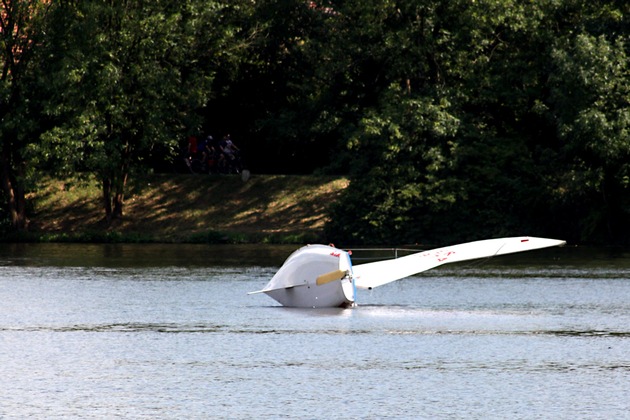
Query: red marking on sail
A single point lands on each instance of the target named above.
(524, 240)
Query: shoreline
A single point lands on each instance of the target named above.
(175, 208)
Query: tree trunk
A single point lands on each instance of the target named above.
(114, 197)
(107, 201)
(14, 192)
(119, 197)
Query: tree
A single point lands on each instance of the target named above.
(264, 95)
(590, 100)
(484, 110)
(149, 67)
(22, 25)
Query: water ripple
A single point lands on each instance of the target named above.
(171, 328)
(123, 328)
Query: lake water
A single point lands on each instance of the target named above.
(168, 331)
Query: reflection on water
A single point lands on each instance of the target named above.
(144, 255)
(169, 332)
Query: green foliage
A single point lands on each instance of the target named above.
(404, 155)
(135, 59)
(455, 120)
(591, 102)
(535, 124)
(148, 66)
(23, 27)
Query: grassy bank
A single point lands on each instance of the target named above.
(188, 208)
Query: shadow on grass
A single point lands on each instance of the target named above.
(190, 208)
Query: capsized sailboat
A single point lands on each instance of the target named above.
(322, 276)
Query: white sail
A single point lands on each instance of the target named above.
(370, 275)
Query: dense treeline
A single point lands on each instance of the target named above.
(455, 120)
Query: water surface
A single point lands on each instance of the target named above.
(155, 331)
